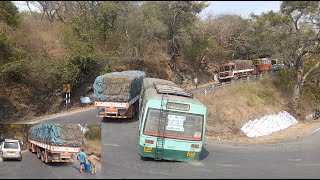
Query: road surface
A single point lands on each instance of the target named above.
(32, 168)
(120, 159)
(85, 116)
(295, 159)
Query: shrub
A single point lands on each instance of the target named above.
(105, 70)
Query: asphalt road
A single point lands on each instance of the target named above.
(32, 168)
(86, 116)
(295, 159)
(120, 159)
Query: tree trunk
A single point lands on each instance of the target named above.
(298, 85)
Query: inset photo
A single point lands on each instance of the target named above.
(50, 151)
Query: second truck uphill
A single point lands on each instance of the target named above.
(116, 94)
(235, 69)
(55, 142)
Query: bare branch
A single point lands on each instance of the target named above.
(307, 74)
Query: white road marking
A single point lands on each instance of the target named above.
(294, 159)
(228, 165)
(199, 164)
(312, 132)
(56, 116)
(307, 164)
(115, 145)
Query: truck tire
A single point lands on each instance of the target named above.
(38, 153)
(46, 159)
(42, 156)
(20, 158)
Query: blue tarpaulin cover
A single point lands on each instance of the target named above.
(118, 86)
(57, 134)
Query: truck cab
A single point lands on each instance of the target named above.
(226, 71)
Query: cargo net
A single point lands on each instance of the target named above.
(58, 134)
(244, 64)
(118, 86)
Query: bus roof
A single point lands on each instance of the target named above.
(156, 87)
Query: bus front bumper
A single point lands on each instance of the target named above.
(172, 155)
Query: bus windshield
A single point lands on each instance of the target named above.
(178, 126)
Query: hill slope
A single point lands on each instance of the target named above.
(233, 106)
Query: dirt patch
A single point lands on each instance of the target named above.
(93, 146)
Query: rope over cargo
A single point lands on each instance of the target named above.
(118, 86)
(57, 134)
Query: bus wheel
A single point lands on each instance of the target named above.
(143, 158)
(38, 153)
(42, 156)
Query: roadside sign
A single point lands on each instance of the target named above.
(66, 88)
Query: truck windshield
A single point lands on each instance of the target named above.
(178, 126)
(11, 145)
(224, 68)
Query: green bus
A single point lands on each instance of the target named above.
(171, 122)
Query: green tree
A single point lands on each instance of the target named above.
(291, 35)
(179, 17)
(9, 13)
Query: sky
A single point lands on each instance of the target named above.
(243, 8)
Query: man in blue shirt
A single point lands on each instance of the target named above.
(82, 158)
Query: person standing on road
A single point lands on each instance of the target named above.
(196, 82)
(82, 159)
(93, 160)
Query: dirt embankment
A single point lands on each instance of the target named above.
(233, 106)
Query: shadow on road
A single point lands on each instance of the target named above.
(204, 153)
(60, 164)
(160, 161)
(11, 160)
(120, 120)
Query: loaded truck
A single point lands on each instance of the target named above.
(116, 94)
(262, 64)
(236, 69)
(55, 142)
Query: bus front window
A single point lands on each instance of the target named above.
(178, 125)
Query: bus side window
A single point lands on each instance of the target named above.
(141, 109)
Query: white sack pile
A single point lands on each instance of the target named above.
(268, 124)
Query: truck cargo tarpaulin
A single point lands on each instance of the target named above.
(57, 134)
(118, 86)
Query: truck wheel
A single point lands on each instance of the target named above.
(20, 158)
(42, 156)
(46, 159)
(38, 153)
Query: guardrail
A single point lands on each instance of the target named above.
(212, 87)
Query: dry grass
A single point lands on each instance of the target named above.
(231, 107)
(93, 146)
(39, 37)
(293, 132)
